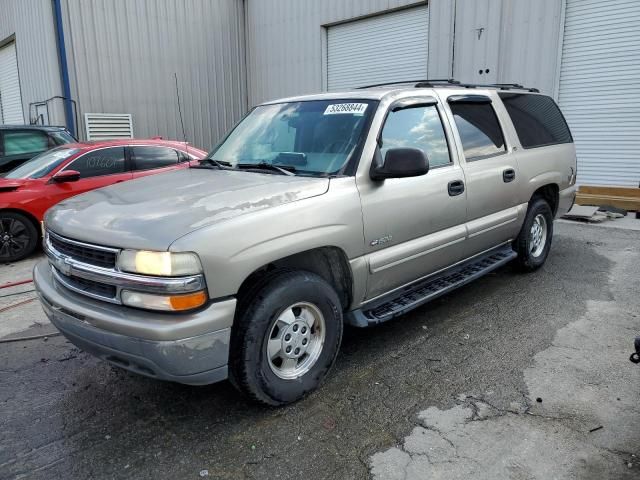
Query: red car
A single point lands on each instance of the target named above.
(27, 191)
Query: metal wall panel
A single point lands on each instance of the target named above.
(507, 41)
(599, 81)
(123, 55)
(31, 21)
(286, 42)
(10, 101)
(530, 42)
(383, 48)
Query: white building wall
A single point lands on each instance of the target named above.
(122, 56)
(286, 42)
(31, 23)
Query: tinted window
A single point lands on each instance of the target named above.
(417, 127)
(537, 119)
(21, 142)
(147, 158)
(42, 164)
(479, 130)
(99, 162)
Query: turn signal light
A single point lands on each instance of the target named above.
(169, 303)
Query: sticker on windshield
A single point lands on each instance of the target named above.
(351, 108)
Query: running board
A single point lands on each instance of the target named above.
(423, 291)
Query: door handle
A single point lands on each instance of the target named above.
(455, 187)
(509, 175)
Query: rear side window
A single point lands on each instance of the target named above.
(23, 142)
(417, 127)
(479, 130)
(146, 158)
(97, 163)
(537, 119)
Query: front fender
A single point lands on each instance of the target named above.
(230, 251)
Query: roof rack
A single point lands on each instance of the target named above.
(450, 82)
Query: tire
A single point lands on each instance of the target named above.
(534, 240)
(284, 304)
(18, 237)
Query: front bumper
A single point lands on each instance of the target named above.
(190, 348)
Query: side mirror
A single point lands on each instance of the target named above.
(399, 163)
(66, 176)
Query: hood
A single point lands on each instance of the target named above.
(152, 212)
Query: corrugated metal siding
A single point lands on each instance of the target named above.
(285, 41)
(10, 102)
(32, 24)
(599, 81)
(517, 44)
(123, 55)
(384, 48)
(529, 43)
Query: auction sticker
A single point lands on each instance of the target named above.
(351, 108)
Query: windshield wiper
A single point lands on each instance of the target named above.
(212, 163)
(284, 169)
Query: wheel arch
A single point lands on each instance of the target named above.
(550, 193)
(28, 215)
(329, 262)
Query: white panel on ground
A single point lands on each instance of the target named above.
(384, 48)
(10, 99)
(599, 81)
(103, 126)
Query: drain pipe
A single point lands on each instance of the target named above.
(64, 69)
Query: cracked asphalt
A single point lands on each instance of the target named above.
(447, 391)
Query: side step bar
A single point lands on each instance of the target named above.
(423, 291)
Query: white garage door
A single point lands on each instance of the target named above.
(10, 101)
(599, 85)
(384, 48)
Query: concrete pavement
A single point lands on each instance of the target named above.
(445, 390)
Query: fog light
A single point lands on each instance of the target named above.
(170, 303)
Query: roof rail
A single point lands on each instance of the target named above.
(450, 82)
(415, 82)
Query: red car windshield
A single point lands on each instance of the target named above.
(42, 164)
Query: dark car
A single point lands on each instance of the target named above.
(19, 143)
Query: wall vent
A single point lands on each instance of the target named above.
(104, 126)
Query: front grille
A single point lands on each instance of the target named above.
(88, 286)
(84, 253)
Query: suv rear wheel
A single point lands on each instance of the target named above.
(286, 337)
(534, 241)
(18, 237)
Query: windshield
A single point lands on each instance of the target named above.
(42, 164)
(61, 137)
(312, 137)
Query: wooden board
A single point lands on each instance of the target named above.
(627, 198)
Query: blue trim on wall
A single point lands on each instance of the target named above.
(64, 69)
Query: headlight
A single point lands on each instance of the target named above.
(171, 303)
(161, 264)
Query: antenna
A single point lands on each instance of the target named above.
(184, 135)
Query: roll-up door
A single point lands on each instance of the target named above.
(599, 84)
(10, 99)
(385, 48)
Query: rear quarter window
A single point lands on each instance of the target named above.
(537, 119)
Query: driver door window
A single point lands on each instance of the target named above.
(108, 161)
(417, 127)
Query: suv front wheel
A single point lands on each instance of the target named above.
(286, 337)
(534, 241)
